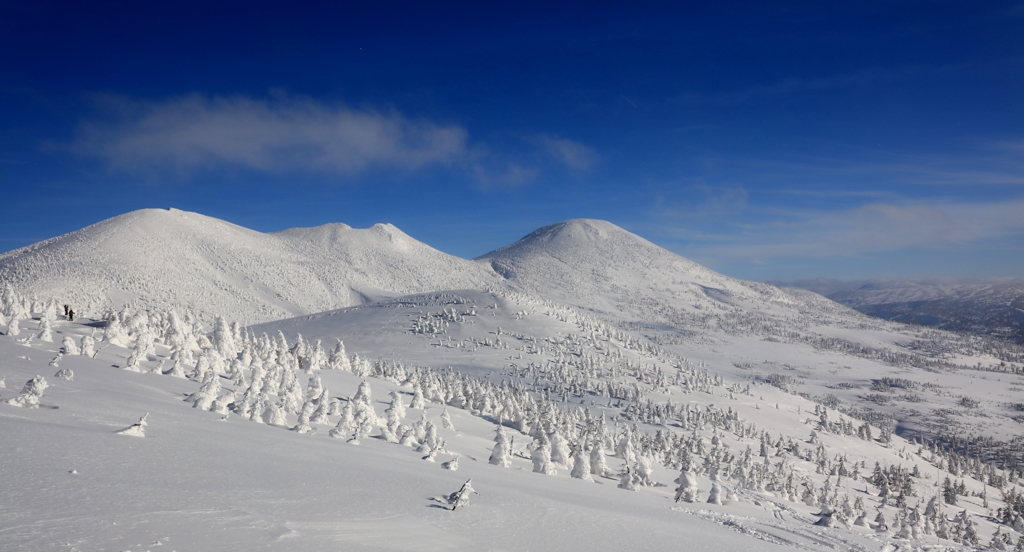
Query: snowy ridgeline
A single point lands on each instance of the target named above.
(635, 418)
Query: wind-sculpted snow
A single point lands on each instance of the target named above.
(170, 257)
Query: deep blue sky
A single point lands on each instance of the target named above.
(871, 139)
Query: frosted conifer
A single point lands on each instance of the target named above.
(177, 369)
(30, 394)
(68, 346)
(417, 397)
(501, 455)
(560, 453)
(303, 427)
(208, 392)
(580, 465)
(224, 339)
(541, 456)
(461, 496)
(881, 526)
(446, 420)
(339, 359)
(626, 479)
(598, 466)
(14, 328)
(45, 331)
(314, 387)
(138, 429)
(322, 407)
(715, 496)
(275, 415)
(115, 333)
(687, 490)
(65, 374)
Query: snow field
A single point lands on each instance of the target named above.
(195, 481)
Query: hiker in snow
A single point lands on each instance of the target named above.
(66, 310)
(71, 315)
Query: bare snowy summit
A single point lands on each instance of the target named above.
(172, 257)
(594, 264)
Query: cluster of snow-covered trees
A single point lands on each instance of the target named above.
(276, 381)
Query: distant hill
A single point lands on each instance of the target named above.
(994, 308)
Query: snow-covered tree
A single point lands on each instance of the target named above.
(501, 455)
(715, 496)
(138, 429)
(338, 359)
(323, 405)
(208, 392)
(30, 393)
(115, 333)
(303, 427)
(224, 339)
(580, 464)
(626, 479)
(14, 327)
(417, 397)
(68, 346)
(598, 466)
(347, 422)
(446, 420)
(541, 455)
(88, 346)
(560, 453)
(461, 496)
(45, 331)
(687, 490)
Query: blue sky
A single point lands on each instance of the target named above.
(796, 140)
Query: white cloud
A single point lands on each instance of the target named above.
(871, 228)
(279, 134)
(573, 154)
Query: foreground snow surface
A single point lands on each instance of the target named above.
(197, 482)
(202, 481)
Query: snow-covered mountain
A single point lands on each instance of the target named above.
(595, 265)
(728, 414)
(986, 308)
(172, 257)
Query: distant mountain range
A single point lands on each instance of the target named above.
(986, 307)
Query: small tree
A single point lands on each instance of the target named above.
(446, 420)
(598, 466)
(501, 455)
(138, 429)
(715, 496)
(461, 496)
(580, 464)
(30, 394)
(68, 346)
(541, 456)
(687, 489)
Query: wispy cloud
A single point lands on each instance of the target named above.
(572, 154)
(279, 134)
(283, 134)
(870, 228)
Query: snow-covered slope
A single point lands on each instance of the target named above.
(581, 336)
(249, 472)
(171, 257)
(988, 308)
(593, 264)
